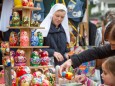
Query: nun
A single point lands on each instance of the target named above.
(56, 33)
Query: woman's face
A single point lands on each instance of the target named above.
(107, 76)
(112, 43)
(58, 17)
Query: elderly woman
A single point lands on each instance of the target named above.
(56, 33)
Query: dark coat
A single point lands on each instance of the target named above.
(92, 54)
(57, 41)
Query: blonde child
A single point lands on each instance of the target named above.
(108, 75)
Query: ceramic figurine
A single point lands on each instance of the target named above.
(40, 36)
(24, 39)
(25, 21)
(13, 39)
(16, 19)
(34, 38)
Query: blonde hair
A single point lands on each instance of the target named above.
(110, 64)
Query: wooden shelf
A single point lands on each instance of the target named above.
(39, 0)
(34, 67)
(21, 27)
(29, 46)
(25, 7)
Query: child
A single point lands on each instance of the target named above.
(108, 74)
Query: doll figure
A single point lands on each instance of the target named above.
(44, 59)
(13, 39)
(24, 39)
(37, 24)
(20, 59)
(34, 38)
(32, 24)
(24, 2)
(26, 21)
(30, 4)
(35, 60)
(40, 36)
(16, 19)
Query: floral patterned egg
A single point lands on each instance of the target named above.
(24, 39)
(13, 39)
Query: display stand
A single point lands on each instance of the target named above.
(26, 11)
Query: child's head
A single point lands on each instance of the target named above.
(108, 74)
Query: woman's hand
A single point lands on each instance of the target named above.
(58, 56)
(65, 66)
(80, 78)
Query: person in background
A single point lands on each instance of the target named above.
(56, 33)
(93, 53)
(108, 74)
